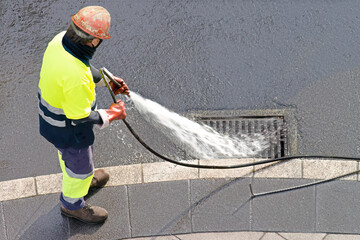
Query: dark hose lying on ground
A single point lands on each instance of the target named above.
(104, 72)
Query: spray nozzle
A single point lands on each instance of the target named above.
(107, 76)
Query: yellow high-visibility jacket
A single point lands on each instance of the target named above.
(66, 93)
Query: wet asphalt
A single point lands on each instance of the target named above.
(188, 56)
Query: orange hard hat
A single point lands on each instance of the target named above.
(94, 20)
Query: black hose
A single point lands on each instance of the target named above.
(238, 165)
(253, 195)
(230, 166)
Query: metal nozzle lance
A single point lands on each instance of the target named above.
(107, 76)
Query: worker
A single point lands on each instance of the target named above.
(68, 111)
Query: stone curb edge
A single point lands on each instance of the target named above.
(252, 236)
(164, 171)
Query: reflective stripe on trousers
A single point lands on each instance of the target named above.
(78, 171)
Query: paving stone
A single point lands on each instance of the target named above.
(226, 173)
(35, 218)
(169, 237)
(337, 207)
(272, 236)
(208, 236)
(18, 188)
(292, 211)
(303, 236)
(342, 237)
(165, 171)
(222, 236)
(122, 175)
(2, 223)
(220, 205)
(160, 208)
(114, 200)
(48, 184)
(287, 169)
(323, 169)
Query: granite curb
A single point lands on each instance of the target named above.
(253, 236)
(164, 171)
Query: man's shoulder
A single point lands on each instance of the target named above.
(58, 38)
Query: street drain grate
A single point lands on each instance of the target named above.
(274, 128)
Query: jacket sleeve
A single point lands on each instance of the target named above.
(94, 118)
(96, 74)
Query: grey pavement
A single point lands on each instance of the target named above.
(300, 57)
(295, 56)
(209, 208)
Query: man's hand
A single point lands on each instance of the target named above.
(116, 111)
(122, 88)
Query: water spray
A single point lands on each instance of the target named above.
(105, 74)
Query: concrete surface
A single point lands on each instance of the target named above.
(297, 56)
(189, 56)
(218, 207)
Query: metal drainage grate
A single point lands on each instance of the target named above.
(273, 128)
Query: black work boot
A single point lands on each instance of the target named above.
(88, 214)
(100, 178)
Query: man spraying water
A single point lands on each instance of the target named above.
(67, 108)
